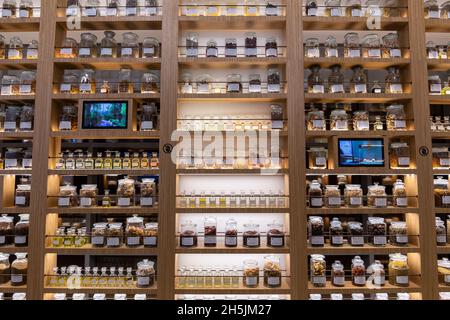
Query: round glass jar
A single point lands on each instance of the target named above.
(251, 274)
(251, 235)
(108, 45)
(400, 195)
(400, 155)
(315, 195)
(145, 274)
(358, 272)
(130, 45)
(150, 48)
(188, 235)
(88, 46)
(272, 271)
(396, 117)
(318, 158)
(316, 231)
(337, 274)
(318, 269)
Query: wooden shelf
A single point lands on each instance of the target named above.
(439, 99)
(441, 171)
(257, 97)
(367, 63)
(93, 251)
(8, 288)
(116, 23)
(438, 64)
(350, 288)
(16, 210)
(232, 23)
(106, 290)
(437, 25)
(366, 249)
(11, 249)
(100, 96)
(28, 98)
(105, 134)
(221, 249)
(16, 135)
(232, 210)
(131, 172)
(363, 210)
(21, 64)
(351, 23)
(355, 97)
(281, 133)
(440, 135)
(360, 134)
(100, 210)
(443, 249)
(442, 210)
(229, 62)
(16, 172)
(229, 171)
(109, 63)
(261, 289)
(19, 24)
(361, 171)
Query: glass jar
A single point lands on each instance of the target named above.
(371, 46)
(150, 83)
(251, 274)
(393, 81)
(67, 196)
(32, 50)
(88, 195)
(352, 48)
(333, 8)
(311, 8)
(377, 273)
(391, 46)
(150, 48)
(336, 232)
(441, 193)
(23, 195)
(134, 231)
(441, 158)
(19, 270)
(338, 274)
(316, 120)
(443, 271)
(315, 81)
(68, 118)
(431, 8)
(331, 47)
(88, 46)
(376, 228)
(150, 234)
(2, 47)
(358, 81)
(98, 237)
(148, 190)
(6, 230)
(204, 84)
(254, 83)
(316, 231)
(356, 233)
(130, 45)
(9, 9)
(5, 268)
(211, 49)
(271, 47)
(273, 81)
(435, 84)
(145, 274)
(90, 9)
(210, 232)
(192, 45)
(275, 235)
(272, 271)
(395, 117)
(318, 158)
(398, 233)
(230, 47)
(26, 118)
(188, 236)
(251, 236)
(114, 235)
(400, 155)
(315, 195)
(432, 50)
(353, 195)
(312, 48)
(361, 121)
(336, 80)
(13, 158)
(87, 81)
(27, 83)
(231, 233)
(15, 49)
(68, 49)
(332, 196)
(358, 272)
(339, 120)
(10, 86)
(125, 83)
(398, 270)
(441, 233)
(400, 198)
(131, 8)
(318, 269)
(70, 84)
(108, 45)
(149, 118)
(125, 192)
(376, 196)
(251, 49)
(234, 84)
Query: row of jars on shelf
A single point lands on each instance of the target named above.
(231, 48)
(15, 9)
(437, 86)
(353, 8)
(108, 234)
(353, 197)
(360, 296)
(125, 196)
(353, 231)
(340, 120)
(375, 274)
(84, 160)
(205, 84)
(441, 193)
(358, 83)
(228, 297)
(24, 83)
(232, 276)
(113, 8)
(434, 11)
(143, 276)
(437, 51)
(98, 297)
(16, 50)
(108, 47)
(85, 82)
(16, 158)
(14, 297)
(251, 236)
(243, 199)
(253, 161)
(370, 46)
(11, 233)
(14, 273)
(16, 118)
(214, 8)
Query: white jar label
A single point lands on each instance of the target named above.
(401, 238)
(6, 13)
(252, 10)
(356, 240)
(254, 88)
(65, 125)
(6, 90)
(90, 12)
(446, 199)
(66, 51)
(65, 87)
(11, 163)
(359, 280)
(321, 161)
(232, 87)
(337, 88)
(355, 201)
(336, 12)
(230, 52)
(337, 240)
(356, 12)
(447, 279)
(318, 124)
(402, 202)
(271, 52)
(98, 240)
(16, 278)
(276, 241)
(396, 88)
(2, 239)
(25, 125)
(27, 163)
(354, 53)
(444, 162)
(85, 87)
(379, 281)
(441, 238)
(203, 88)
(251, 281)
(341, 125)
(334, 201)
(25, 89)
(400, 124)
(402, 279)
(148, 51)
(143, 281)
(319, 280)
(332, 53)
(106, 52)
(150, 241)
(210, 240)
(360, 88)
(251, 52)
(85, 52)
(339, 281)
(192, 52)
(313, 53)
(146, 202)
(318, 89)
(111, 12)
(112, 242)
(433, 55)
(374, 12)
(362, 125)
(403, 161)
(317, 240)
(20, 239)
(374, 53)
(395, 53)
(85, 202)
(123, 202)
(316, 202)
(147, 125)
(432, 14)
(380, 202)
(126, 51)
(131, 11)
(212, 10)
(230, 241)
(252, 241)
(20, 201)
(32, 53)
(379, 240)
(436, 88)
(270, 11)
(187, 241)
(151, 11)
(63, 202)
(232, 11)
(312, 12)
(133, 241)
(273, 88)
(273, 281)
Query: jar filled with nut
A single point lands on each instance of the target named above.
(396, 117)
(371, 46)
(441, 158)
(361, 121)
(356, 233)
(134, 231)
(400, 195)
(275, 235)
(358, 272)
(400, 155)
(352, 47)
(67, 196)
(318, 269)
(151, 234)
(376, 196)
(337, 274)
(318, 158)
(316, 120)
(376, 228)
(353, 195)
(315, 195)
(88, 195)
(441, 193)
(6, 230)
(98, 237)
(336, 232)
(145, 274)
(23, 195)
(398, 233)
(316, 231)
(332, 196)
(391, 46)
(148, 188)
(444, 271)
(339, 120)
(114, 235)
(441, 233)
(272, 271)
(125, 192)
(251, 274)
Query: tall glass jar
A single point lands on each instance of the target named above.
(315, 81)
(359, 80)
(353, 195)
(400, 195)
(192, 45)
(27, 83)
(271, 47)
(5, 268)
(432, 51)
(376, 196)
(332, 196)
(371, 46)
(145, 274)
(149, 118)
(318, 269)
(108, 45)
(316, 231)
(315, 195)
(435, 84)
(398, 233)
(210, 230)
(9, 8)
(68, 118)
(150, 48)
(151, 234)
(125, 192)
(358, 272)
(134, 231)
(336, 80)
(188, 235)
(32, 50)
(230, 47)
(331, 47)
(251, 273)
(15, 49)
(26, 118)
(23, 195)
(130, 45)
(19, 270)
(376, 228)
(150, 83)
(6, 230)
(352, 48)
(311, 8)
(2, 47)
(391, 46)
(398, 270)
(272, 271)
(273, 81)
(318, 158)
(400, 155)
(98, 237)
(251, 45)
(396, 117)
(87, 82)
(441, 234)
(231, 233)
(125, 83)
(377, 273)
(88, 46)
(336, 232)
(88, 195)
(393, 81)
(251, 236)
(312, 48)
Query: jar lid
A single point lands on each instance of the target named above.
(6, 218)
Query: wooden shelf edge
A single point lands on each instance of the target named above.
(231, 171)
(106, 290)
(367, 249)
(238, 250)
(361, 171)
(232, 210)
(122, 251)
(390, 210)
(131, 172)
(100, 210)
(16, 172)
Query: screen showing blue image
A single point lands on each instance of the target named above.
(105, 114)
(361, 153)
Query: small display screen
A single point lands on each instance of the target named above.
(105, 114)
(361, 153)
